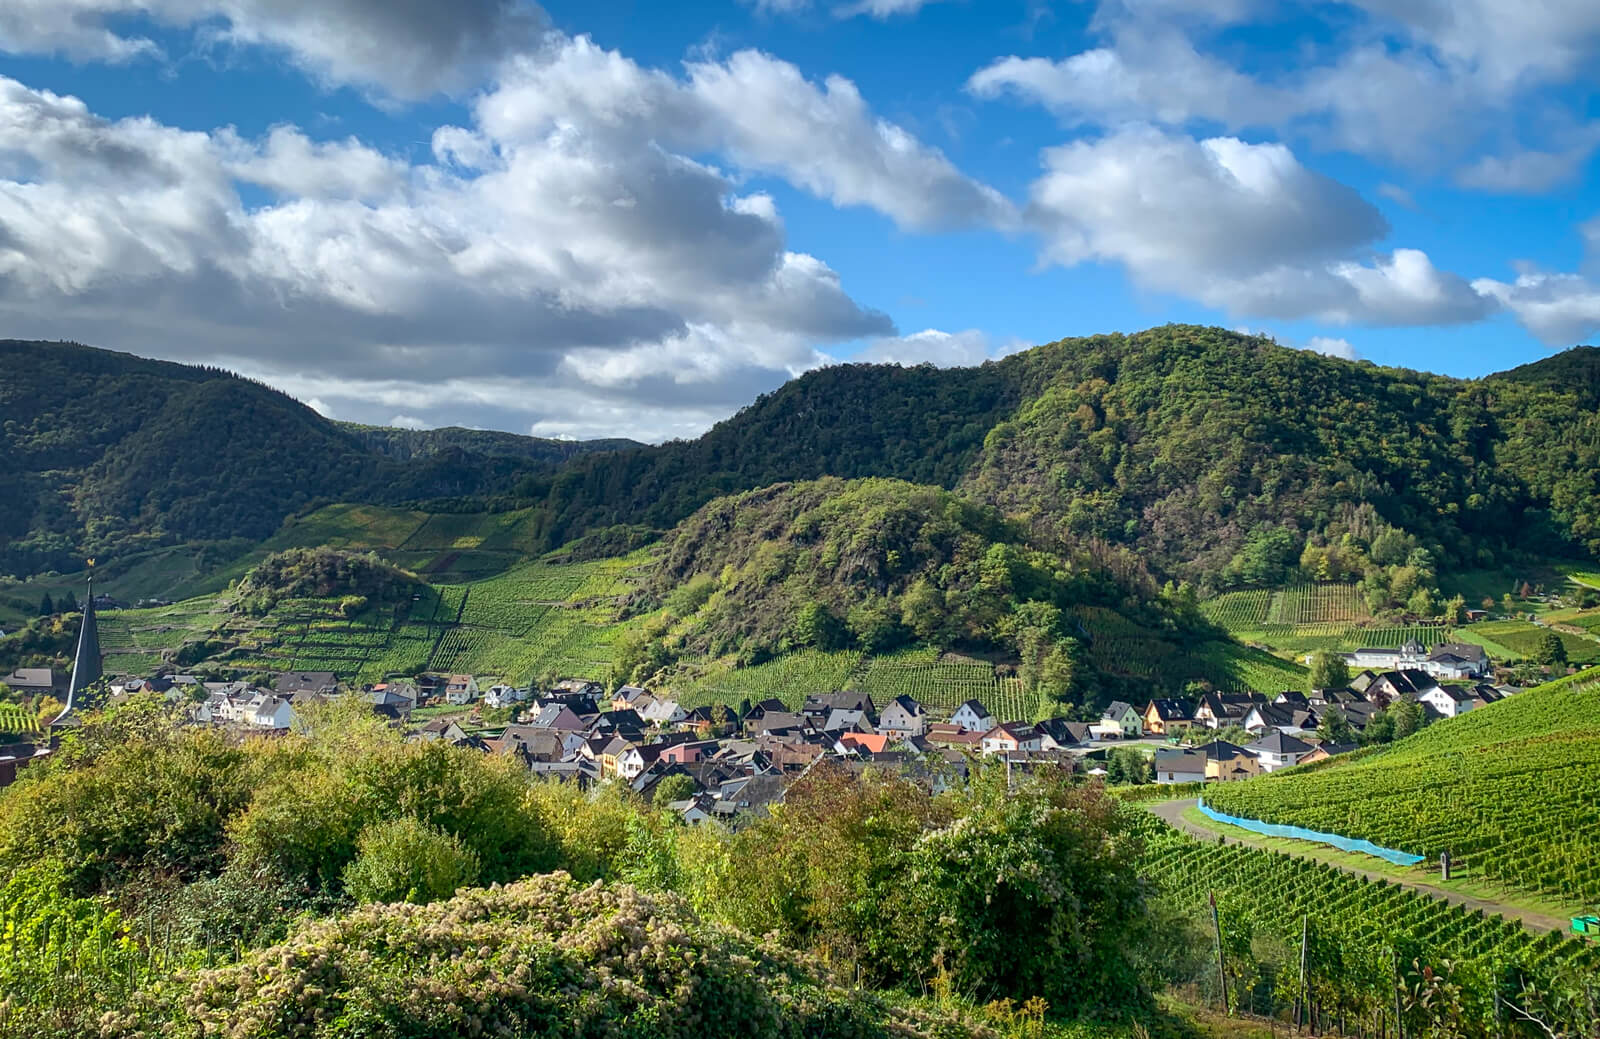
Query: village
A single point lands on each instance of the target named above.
(730, 762)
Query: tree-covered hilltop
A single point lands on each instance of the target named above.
(1220, 458)
(876, 564)
(102, 453)
(325, 573)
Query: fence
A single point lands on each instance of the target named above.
(1399, 858)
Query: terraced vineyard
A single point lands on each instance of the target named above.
(943, 683)
(1511, 790)
(1363, 932)
(789, 678)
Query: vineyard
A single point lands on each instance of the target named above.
(789, 678)
(1370, 946)
(1520, 639)
(1511, 790)
(942, 684)
(18, 720)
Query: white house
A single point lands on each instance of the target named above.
(903, 718)
(460, 690)
(1278, 750)
(972, 716)
(1449, 701)
(501, 695)
(1120, 721)
(1447, 659)
(1180, 766)
(1011, 736)
(661, 712)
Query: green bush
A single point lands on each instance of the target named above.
(406, 860)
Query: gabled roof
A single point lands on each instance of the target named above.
(1458, 693)
(907, 703)
(1276, 742)
(1222, 750)
(1019, 731)
(977, 708)
(1466, 651)
(1170, 710)
(1174, 759)
(1116, 709)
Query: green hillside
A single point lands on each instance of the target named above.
(1216, 456)
(1511, 790)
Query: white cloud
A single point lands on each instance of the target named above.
(566, 260)
(879, 9)
(407, 48)
(1530, 172)
(407, 422)
(758, 111)
(1561, 309)
(1244, 227)
(945, 349)
(1332, 346)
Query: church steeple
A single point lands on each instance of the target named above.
(86, 664)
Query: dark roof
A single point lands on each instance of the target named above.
(1170, 757)
(977, 708)
(1276, 742)
(1116, 709)
(1170, 710)
(305, 681)
(1221, 750)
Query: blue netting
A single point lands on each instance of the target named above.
(1399, 858)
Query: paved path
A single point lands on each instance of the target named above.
(1171, 812)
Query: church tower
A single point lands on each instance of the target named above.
(86, 664)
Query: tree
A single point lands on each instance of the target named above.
(68, 603)
(1335, 727)
(1408, 717)
(1328, 671)
(1380, 729)
(406, 860)
(47, 608)
(676, 787)
(816, 625)
(1552, 650)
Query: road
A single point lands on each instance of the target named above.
(1171, 812)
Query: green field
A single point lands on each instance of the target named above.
(790, 678)
(1511, 790)
(1358, 936)
(1523, 640)
(532, 618)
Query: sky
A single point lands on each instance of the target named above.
(593, 219)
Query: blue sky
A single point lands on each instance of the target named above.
(589, 219)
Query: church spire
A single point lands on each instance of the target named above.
(86, 664)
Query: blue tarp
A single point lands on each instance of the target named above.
(1399, 858)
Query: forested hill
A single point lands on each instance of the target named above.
(102, 452)
(1217, 456)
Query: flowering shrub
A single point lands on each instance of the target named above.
(542, 957)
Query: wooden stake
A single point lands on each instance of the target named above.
(1222, 964)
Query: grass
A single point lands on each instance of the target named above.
(1522, 639)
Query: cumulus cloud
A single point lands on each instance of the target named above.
(945, 349)
(1244, 227)
(558, 262)
(1467, 72)
(762, 113)
(1332, 346)
(1561, 309)
(406, 48)
(879, 9)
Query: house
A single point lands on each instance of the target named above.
(35, 681)
(1226, 761)
(871, 742)
(635, 759)
(621, 723)
(1446, 660)
(1279, 750)
(775, 722)
(559, 717)
(661, 712)
(389, 703)
(941, 734)
(460, 690)
(321, 683)
(442, 729)
(1323, 751)
(1118, 721)
(1164, 717)
(532, 743)
(1390, 686)
(502, 695)
(821, 705)
(1340, 696)
(1484, 694)
(972, 716)
(578, 687)
(1180, 766)
(1293, 698)
(1008, 737)
(1264, 716)
(761, 707)
(1060, 734)
(630, 697)
(1220, 710)
(690, 752)
(1449, 700)
(845, 721)
(266, 711)
(903, 718)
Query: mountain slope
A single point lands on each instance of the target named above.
(104, 452)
